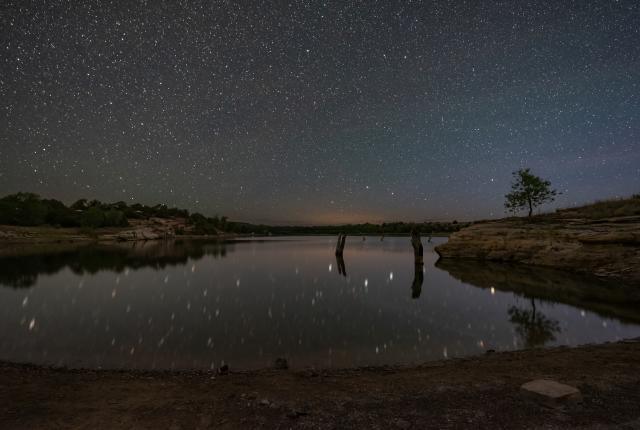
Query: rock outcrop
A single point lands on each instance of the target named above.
(138, 234)
(608, 247)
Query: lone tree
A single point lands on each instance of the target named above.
(528, 191)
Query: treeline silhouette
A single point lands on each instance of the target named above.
(29, 209)
(391, 228)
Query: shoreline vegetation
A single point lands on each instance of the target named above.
(26, 217)
(476, 392)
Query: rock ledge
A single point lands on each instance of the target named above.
(606, 247)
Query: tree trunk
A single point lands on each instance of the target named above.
(340, 245)
(417, 247)
(530, 207)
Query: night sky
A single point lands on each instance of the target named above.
(319, 112)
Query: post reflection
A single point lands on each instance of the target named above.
(342, 269)
(418, 280)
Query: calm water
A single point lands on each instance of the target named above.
(199, 305)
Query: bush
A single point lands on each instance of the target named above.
(23, 209)
(93, 218)
(115, 218)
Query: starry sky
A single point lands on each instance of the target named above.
(313, 112)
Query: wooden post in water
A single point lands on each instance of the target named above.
(340, 245)
(417, 247)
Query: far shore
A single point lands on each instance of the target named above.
(10, 234)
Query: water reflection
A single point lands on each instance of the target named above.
(611, 299)
(180, 305)
(418, 280)
(533, 327)
(21, 265)
(342, 269)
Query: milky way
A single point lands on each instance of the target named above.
(319, 112)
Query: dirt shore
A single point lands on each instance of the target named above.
(481, 392)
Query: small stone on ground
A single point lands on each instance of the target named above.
(551, 393)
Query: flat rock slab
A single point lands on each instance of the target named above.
(551, 393)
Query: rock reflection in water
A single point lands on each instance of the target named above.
(604, 297)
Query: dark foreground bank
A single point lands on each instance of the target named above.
(482, 392)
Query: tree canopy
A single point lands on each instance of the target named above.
(528, 191)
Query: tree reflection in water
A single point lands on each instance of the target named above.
(533, 327)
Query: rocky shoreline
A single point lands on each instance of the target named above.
(476, 392)
(138, 231)
(608, 247)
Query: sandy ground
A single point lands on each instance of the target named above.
(480, 392)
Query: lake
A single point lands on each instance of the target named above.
(199, 304)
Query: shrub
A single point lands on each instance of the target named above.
(115, 218)
(93, 218)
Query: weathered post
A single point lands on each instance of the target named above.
(418, 279)
(340, 245)
(417, 247)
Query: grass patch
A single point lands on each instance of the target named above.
(604, 209)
